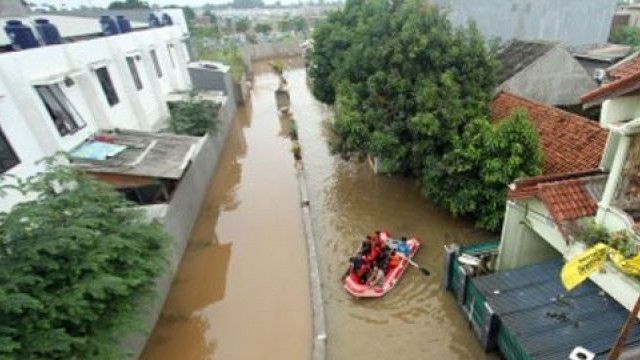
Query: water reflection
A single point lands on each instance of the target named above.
(242, 287)
(415, 321)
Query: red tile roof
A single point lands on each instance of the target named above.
(567, 200)
(625, 69)
(565, 195)
(625, 78)
(570, 143)
(528, 187)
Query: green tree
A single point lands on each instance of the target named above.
(75, 264)
(627, 35)
(193, 117)
(413, 91)
(243, 24)
(128, 4)
(263, 28)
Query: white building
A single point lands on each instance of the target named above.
(54, 97)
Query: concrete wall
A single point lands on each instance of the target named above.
(573, 22)
(180, 216)
(521, 243)
(257, 52)
(556, 78)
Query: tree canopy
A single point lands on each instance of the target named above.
(413, 91)
(128, 4)
(75, 264)
(243, 24)
(627, 35)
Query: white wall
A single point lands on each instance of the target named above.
(29, 127)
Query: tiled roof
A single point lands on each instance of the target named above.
(624, 77)
(528, 187)
(517, 55)
(565, 196)
(570, 143)
(567, 200)
(625, 69)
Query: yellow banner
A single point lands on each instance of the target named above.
(576, 270)
(628, 266)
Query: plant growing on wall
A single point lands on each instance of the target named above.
(76, 263)
(193, 117)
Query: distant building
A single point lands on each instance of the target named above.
(597, 58)
(571, 22)
(543, 71)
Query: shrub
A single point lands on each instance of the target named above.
(75, 264)
(194, 117)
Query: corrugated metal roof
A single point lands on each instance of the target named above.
(548, 321)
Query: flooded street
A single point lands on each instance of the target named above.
(417, 320)
(242, 289)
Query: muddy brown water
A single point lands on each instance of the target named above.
(417, 320)
(242, 290)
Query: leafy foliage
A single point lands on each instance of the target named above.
(128, 4)
(627, 35)
(592, 233)
(243, 24)
(194, 117)
(75, 264)
(413, 91)
(206, 42)
(263, 28)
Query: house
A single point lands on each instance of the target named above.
(544, 213)
(56, 97)
(543, 71)
(571, 22)
(599, 56)
(589, 174)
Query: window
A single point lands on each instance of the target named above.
(8, 157)
(169, 47)
(156, 65)
(134, 72)
(107, 85)
(64, 115)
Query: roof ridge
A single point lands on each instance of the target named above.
(550, 107)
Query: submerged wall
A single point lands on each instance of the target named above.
(180, 214)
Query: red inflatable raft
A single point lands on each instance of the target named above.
(356, 289)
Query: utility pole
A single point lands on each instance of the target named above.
(624, 332)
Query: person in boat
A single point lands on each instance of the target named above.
(376, 279)
(383, 258)
(365, 248)
(362, 273)
(403, 247)
(394, 260)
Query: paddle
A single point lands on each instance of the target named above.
(424, 271)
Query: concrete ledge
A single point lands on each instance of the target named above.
(317, 305)
(179, 217)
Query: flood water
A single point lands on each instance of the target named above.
(417, 320)
(242, 290)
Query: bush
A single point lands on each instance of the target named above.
(75, 265)
(194, 117)
(413, 91)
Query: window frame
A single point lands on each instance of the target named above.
(108, 89)
(133, 70)
(156, 64)
(13, 158)
(173, 62)
(63, 114)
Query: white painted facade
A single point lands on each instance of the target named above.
(72, 67)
